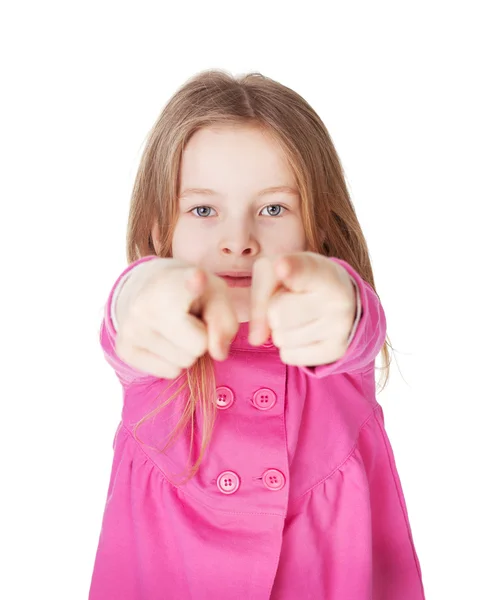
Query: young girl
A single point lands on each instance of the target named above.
(251, 460)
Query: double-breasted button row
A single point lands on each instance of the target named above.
(263, 399)
(229, 482)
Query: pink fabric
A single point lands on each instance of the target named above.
(337, 529)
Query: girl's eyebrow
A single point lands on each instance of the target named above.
(270, 190)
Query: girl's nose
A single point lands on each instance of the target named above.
(249, 251)
(239, 244)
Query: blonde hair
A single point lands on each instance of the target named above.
(215, 97)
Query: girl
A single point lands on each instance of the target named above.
(244, 333)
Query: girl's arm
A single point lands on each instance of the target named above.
(367, 336)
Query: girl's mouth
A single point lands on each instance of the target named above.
(237, 281)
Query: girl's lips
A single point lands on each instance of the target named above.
(237, 281)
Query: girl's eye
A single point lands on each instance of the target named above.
(203, 210)
(273, 213)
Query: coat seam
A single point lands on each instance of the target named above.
(180, 490)
(347, 457)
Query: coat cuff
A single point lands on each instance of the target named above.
(358, 311)
(108, 333)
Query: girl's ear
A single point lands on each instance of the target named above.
(156, 237)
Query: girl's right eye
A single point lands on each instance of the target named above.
(202, 208)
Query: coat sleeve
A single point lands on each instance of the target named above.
(126, 374)
(367, 336)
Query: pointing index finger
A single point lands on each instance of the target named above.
(264, 284)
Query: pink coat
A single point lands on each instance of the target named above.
(298, 496)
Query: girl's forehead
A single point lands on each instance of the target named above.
(218, 160)
(230, 136)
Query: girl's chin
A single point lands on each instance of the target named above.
(240, 298)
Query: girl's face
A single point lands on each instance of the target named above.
(230, 212)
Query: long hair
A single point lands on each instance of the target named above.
(215, 97)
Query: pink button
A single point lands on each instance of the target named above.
(264, 399)
(273, 479)
(228, 482)
(224, 397)
(268, 344)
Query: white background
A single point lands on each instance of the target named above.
(407, 92)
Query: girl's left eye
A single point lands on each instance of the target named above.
(277, 206)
